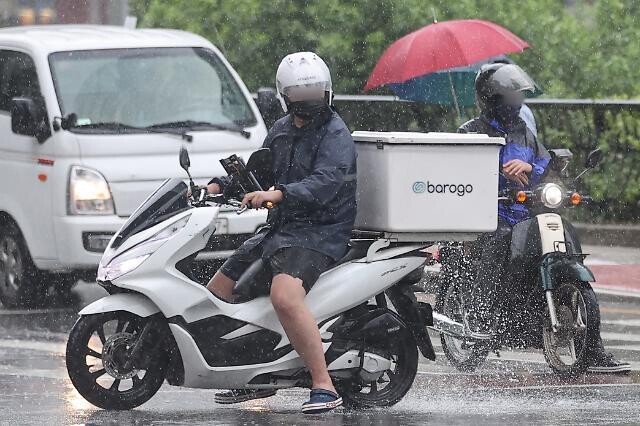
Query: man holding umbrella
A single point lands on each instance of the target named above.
(500, 92)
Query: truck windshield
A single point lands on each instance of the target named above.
(134, 89)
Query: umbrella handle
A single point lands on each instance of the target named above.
(455, 98)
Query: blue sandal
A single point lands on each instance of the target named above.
(321, 401)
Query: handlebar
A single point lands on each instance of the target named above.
(201, 198)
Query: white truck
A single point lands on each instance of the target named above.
(91, 121)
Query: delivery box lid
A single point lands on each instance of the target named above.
(431, 138)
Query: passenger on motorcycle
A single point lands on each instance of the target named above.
(314, 165)
(500, 92)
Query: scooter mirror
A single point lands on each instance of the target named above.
(593, 159)
(260, 164)
(185, 162)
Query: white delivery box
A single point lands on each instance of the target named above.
(427, 186)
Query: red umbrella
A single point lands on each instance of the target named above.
(441, 46)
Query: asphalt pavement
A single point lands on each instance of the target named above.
(516, 387)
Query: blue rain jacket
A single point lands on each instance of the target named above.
(315, 167)
(521, 144)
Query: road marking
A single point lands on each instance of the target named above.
(57, 348)
(622, 337)
(607, 309)
(543, 387)
(615, 292)
(4, 311)
(40, 374)
(632, 348)
(630, 322)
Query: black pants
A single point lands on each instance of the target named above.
(492, 251)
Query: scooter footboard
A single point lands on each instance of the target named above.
(136, 303)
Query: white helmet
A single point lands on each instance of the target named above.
(299, 73)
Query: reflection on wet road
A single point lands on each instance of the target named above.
(515, 387)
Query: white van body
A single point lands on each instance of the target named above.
(64, 233)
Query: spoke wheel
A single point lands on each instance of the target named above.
(566, 349)
(97, 352)
(390, 386)
(464, 354)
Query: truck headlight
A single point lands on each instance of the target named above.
(89, 193)
(552, 196)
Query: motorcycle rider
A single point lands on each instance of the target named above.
(314, 164)
(500, 92)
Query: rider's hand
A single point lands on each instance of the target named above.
(259, 198)
(516, 171)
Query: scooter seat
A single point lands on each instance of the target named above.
(256, 280)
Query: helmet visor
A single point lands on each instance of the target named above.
(511, 81)
(306, 92)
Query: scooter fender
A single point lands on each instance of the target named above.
(136, 303)
(558, 267)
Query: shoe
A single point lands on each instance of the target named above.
(235, 396)
(321, 401)
(607, 363)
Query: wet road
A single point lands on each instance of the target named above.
(517, 387)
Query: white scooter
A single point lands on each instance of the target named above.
(157, 323)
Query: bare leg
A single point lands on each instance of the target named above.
(287, 297)
(222, 286)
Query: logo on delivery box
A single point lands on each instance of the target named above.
(460, 190)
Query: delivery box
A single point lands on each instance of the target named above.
(433, 185)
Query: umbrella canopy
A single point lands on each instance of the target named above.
(442, 46)
(436, 88)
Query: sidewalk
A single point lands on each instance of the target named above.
(617, 269)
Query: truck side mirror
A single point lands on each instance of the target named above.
(29, 118)
(593, 159)
(268, 105)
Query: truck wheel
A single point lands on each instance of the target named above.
(19, 283)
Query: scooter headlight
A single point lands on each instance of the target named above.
(552, 196)
(135, 256)
(117, 269)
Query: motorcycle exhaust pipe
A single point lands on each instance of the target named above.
(445, 325)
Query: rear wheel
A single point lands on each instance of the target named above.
(97, 352)
(566, 349)
(388, 388)
(19, 279)
(464, 354)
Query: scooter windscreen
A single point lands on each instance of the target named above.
(167, 201)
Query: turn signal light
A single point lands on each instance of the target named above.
(521, 196)
(576, 198)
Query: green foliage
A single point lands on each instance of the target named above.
(589, 50)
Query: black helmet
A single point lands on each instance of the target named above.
(501, 83)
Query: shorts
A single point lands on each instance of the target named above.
(304, 264)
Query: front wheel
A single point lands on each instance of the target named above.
(566, 349)
(392, 385)
(97, 352)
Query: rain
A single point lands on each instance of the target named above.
(481, 266)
